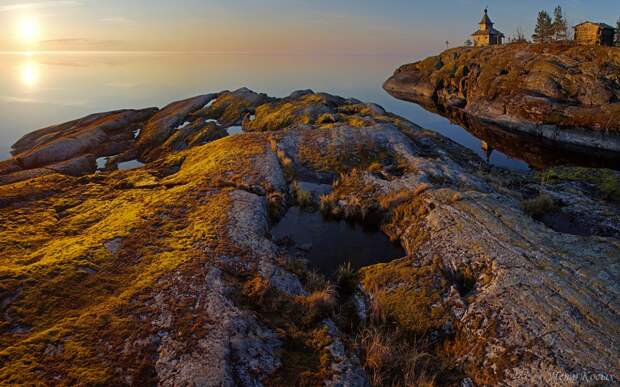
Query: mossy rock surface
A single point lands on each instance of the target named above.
(523, 87)
(168, 274)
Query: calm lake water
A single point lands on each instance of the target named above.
(39, 90)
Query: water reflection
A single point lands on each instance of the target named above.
(329, 243)
(538, 152)
(488, 150)
(41, 89)
(29, 73)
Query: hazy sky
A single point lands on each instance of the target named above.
(270, 26)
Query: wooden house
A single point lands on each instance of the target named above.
(589, 33)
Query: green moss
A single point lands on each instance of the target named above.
(341, 159)
(606, 181)
(73, 299)
(430, 64)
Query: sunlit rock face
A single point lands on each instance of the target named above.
(169, 274)
(72, 148)
(570, 94)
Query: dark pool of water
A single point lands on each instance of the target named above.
(331, 243)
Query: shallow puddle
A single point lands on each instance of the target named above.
(129, 165)
(233, 130)
(101, 162)
(331, 243)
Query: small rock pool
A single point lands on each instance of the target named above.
(132, 164)
(331, 243)
(234, 130)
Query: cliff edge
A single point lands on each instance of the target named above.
(569, 94)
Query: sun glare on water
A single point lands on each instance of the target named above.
(29, 73)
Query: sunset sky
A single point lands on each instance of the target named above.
(269, 26)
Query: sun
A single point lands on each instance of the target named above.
(28, 30)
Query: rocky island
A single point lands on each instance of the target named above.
(168, 274)
(567, 93)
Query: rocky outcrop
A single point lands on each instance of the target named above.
(570, 94)
(72, 147)
(231, 107)
(167, 274)
(145, 135)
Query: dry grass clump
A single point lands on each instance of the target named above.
(391, 358)
(353, 198)
(421, 188)
(405, 341)
(540, 205)
(416, 302)
(456, 197)
(462, 277)
(329, 207)
(323, 301)
(375, 167)
(397, 350)
(311, 279)
(298, 320)
(346, 279)
(303, 198)
(395, 199)
(286, 163)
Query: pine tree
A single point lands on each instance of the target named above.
(544, 28)
(618, 32)
(560, 26)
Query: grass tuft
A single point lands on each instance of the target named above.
(540, 205)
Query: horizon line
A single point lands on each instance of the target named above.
(172, 52)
